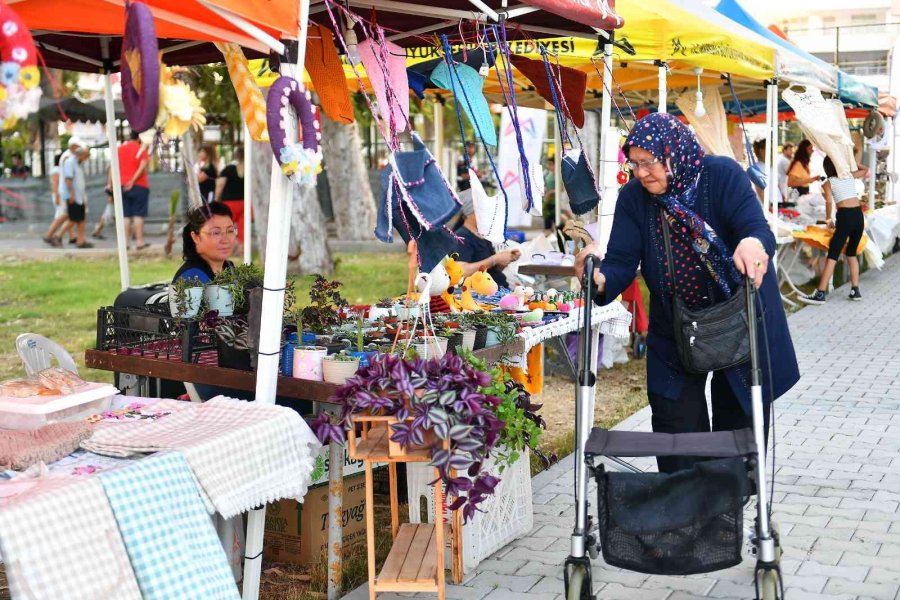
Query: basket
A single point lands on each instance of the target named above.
(503, 517)
(681, 523)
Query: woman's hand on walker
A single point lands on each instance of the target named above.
(591, 249)
(751, 259)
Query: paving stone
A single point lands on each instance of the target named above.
(505, 594)
(516, 583)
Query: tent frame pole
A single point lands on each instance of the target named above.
(121, 242)
(663, 86)
(248, 194)
(772, 191)
(608, 194)
(279, 229)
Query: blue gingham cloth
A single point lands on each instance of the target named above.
(170, 539)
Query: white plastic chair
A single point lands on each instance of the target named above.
(37, 353)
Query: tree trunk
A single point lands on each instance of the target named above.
(261, 172)
(308, 243)
(351, 193)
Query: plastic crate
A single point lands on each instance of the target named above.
(148, 332)
(504, 517)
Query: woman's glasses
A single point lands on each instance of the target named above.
(218, 234)
(634, 165)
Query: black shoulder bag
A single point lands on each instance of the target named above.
(708, 339)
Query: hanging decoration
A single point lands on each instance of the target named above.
(471, 85)
(385, 65)
(327, 75)
(572, 83)
(140, 68)
(250, 98)
(179, 107)
(20, 93)
(300, 161)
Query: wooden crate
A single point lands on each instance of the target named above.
(374, 443)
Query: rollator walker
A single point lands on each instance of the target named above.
(681, 523)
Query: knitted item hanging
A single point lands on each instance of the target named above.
(382, 62)
(327, 75)
(20, 93)
(140, 67)
(250, 98)
(301, 162)
(574, 84)
(476, 108)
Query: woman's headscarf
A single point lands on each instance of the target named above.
(676, 146)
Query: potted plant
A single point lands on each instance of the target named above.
(454, 338)
(233, 344)
(185, 297)
(436, 408)
(245, 277)
(221, 293)
(361, 352)
(338, 368)
(323, 312)
(384, 308)
(308, 362)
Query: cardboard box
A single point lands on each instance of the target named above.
(322, 467)
(298, 533)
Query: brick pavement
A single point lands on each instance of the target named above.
(837, 486)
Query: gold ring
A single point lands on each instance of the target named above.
(758, 264)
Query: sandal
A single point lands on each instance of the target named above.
(84, 245)
(141, 247)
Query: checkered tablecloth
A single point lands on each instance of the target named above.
(244, 454)
(174, 549)
(65, 543)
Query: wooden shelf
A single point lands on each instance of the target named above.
(375, 449)
(411, 564)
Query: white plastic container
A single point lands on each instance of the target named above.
(37, 411)
(505, 516)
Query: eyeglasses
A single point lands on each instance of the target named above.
(633, 166)
(218, 234)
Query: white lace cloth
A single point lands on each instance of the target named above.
(612, 319)
(243, 454)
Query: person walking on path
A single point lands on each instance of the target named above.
(133, 161)
(846, 230)
(73, 191)
(60, 214)
(695, 227)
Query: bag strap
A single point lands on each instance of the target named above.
(667, 233)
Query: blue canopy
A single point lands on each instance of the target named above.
(799, 66)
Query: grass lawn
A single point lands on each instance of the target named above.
(59, 299)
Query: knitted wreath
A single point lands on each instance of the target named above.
(299, 161)
(140, 67)
(20, 93)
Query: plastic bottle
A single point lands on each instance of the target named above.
(287, 355)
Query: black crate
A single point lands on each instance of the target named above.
(149, 331)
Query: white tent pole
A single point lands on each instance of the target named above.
(663, 85)
(248, 195)
(771, 184)
(121, 242)
(609, 194)
(773, 131)
(278, 234)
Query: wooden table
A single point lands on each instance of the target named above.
(175, 370)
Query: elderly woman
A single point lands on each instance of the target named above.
(717, 232)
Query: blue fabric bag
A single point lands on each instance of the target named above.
(579, 183)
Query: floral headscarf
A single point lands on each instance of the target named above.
(669, 140)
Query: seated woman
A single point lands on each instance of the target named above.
(476, 253)
(208, 242)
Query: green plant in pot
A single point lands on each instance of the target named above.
(222, 293)
(185, 297)
(325, 300)
(338, 368)
(437, 404)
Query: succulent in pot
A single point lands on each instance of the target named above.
(185, 297)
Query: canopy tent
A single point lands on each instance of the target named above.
(70, 108)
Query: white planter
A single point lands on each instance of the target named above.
(430, 347)
(308, 362)
(408, 314)
(338, 371)
(505, 516)
(193, 298)
(468, 341)
(219, 298)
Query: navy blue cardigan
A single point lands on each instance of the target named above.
(726, 200)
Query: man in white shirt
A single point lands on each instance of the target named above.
(784, 161)
(73, 191)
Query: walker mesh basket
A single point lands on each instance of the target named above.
(680, 523)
